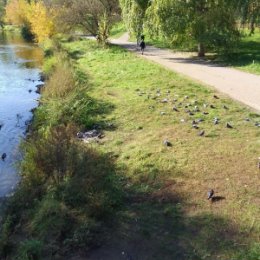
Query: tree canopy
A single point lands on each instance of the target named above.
(33, 15)
(44, 18)
(209, 23)
(92, 16)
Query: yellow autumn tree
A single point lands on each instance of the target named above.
(34, 15)
(16, 12)
(41, 21)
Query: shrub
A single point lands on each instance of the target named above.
(49, 221)
(30, 250)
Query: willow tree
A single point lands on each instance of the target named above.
(210, 23)
(249, 12)
(133, 12)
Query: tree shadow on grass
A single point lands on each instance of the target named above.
(161, 225)
(69, 194)
(246, 54)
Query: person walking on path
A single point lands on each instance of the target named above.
(142, 45)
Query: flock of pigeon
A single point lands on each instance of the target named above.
(193, 108)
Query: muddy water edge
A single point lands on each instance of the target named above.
(20, 64)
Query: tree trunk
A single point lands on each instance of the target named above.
(252, 26)
(201, 50)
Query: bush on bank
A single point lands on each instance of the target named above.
(68, 190)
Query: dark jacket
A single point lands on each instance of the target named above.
(142, 44)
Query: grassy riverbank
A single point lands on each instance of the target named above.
(153, 196)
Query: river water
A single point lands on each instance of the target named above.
(19, 76)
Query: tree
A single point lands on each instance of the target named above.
(33, 17)
(134, 15)
(92, 16)
(16, 12)
(249, 12)
(41, 21)
(210, 23)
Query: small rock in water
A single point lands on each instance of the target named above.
(3, 156)
(28, 122)
(39, 88)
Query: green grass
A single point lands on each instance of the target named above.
(129, 192)
(167, 185)
(245, 56)
(117, 30)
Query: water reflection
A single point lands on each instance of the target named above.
(19, 75)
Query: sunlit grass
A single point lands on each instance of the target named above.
(224, 159)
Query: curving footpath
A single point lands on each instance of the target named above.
(241, 86)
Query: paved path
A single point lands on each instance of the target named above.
(241, 86)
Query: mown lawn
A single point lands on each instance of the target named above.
(166, 214)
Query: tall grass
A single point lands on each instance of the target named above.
(62, 80)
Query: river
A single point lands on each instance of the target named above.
(19, 75)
